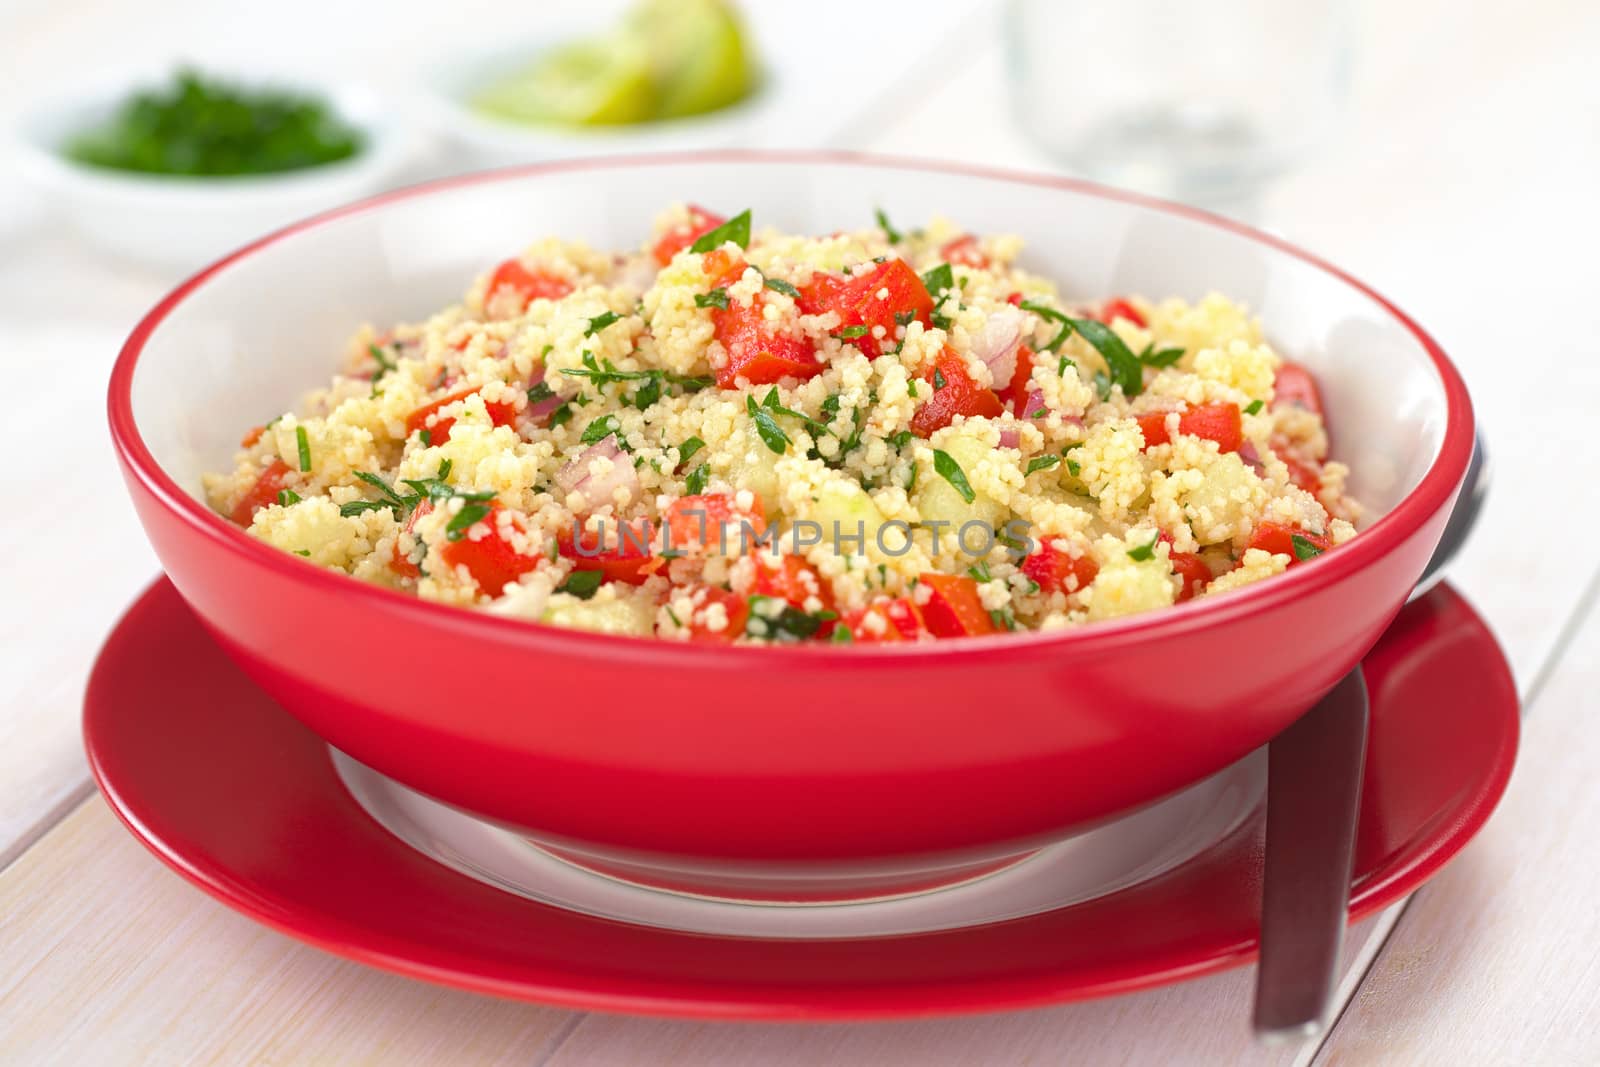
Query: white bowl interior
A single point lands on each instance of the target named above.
(261, 331)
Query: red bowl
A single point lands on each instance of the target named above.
(632, 751)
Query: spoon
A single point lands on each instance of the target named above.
(1313, 797)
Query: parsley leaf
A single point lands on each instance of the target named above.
(850, 333)
(1041, 463)
(385, 364)
(1255, 407)
(464, 519)
(767, 426)
(901, 439)
(778, 285)
(581, 584)
(304, 447)
(736, 229)
(288, 497)
(1164, 357)
(356, 507)
(540, 392)
(599, 429)
(1144, 552)
(1304, 547)
(696, 480)
(687, 450)
(600, 322)
(716, 298)
(788, 624)
(1126, 370)
(939, 278)
(894, 235)
(948, 469)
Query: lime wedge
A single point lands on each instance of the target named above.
(697, 54)
(586, 83)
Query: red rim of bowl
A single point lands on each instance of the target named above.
(1441, 480)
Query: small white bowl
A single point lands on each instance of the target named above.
(481, 140)
(179, 222)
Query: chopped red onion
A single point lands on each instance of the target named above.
(996, 344)
(597, 489)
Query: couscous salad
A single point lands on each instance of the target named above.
(740, 435)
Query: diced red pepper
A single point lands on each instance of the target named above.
(860, 307)
(1295, 387)
(1215, 422)
(1278, 538)
(792, 580)
(1121, 309)
(899, 621)
(1305, 475)
(1058, 571)
(622, 554)
(250, 439)
(399, 562)
(722, 267)
(757, 352)
(1015, 300)
(491, 559)
(954, 393)
(501, 413)
(675, 240)
(954, 609)
(964, 252)
(263, 493)
(1193, 574)
(712, 520)
(736, 608)
(528, 285)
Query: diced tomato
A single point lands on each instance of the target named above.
(964, 252)
(399, 562)
(860, 307)
(954, 609)
(622, 554)
(529, 285)
(712, 520)
(792, 579)
(1215, 422)
(884, 620)
(1058, 571)
(1121, 309)
(491, 559)
(675, 240)
(1278, 538)
(501, 413)
(722, 267)
(250, 439)
(264, 492)
(1295, 387)
(1305, 475)
(756, 352)
(957, 395)
(1193, 574)
(1016, 392)
(734, 607)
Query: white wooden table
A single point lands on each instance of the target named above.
(1464, 185)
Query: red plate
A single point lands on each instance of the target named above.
(242, 800)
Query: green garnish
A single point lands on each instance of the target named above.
(581, 584)
(288, 497)
(1164, 357)
(767, 426)
(938, 378)
(464, 519)
(426, 437)
(561, 415)
(687, 450)
(736, 229)
(304, 447)
(948, 469)
(980, 572)
(1042, 463)
(778, 285)
(716, 298)
(385, 364)
(887, 227)
(842, 636)
(647, 394)
(599, 429)
(696, 480)
(1254, 407)
(1304, 548)
(939, 278)
(203, 127)
(306, 552)
(1144, 552)
(356, 507)
(1074, 468)
(901, 439)
(850, 333)
(1065, 363)
(790, 623)
(600, 322)
(603, 372)
(542, 391)
(1126, 369)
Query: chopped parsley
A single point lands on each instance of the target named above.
(288, 497)
(385, 364)
(687, 450)
(1041, 463)
(778, 285)
(581, 584)
(901, 439)
(948, 469)
(425, 436)
(850, 333)
(464, 519)
(304, 447)
(767, 426)
(980, 572)
(696, 480)
(790, 623)
(1304, 547)
(603, 372)
(1074, 468)
(1165, 357)
(736, 229)
(938, 378)
(1126, 368)
(600, 322)
(1144, 552)
(561, 415)
(939, 278)
(540, 392)
(842, 636)
(1254, 407)
(716, 298)
(894, 235)
(600, 429)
